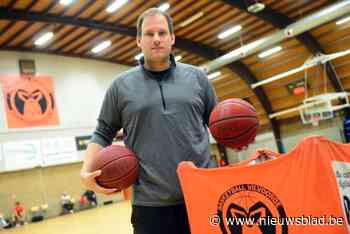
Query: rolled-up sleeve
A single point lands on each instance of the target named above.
(109, 120)
(210, 99)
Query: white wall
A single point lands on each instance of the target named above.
(265, 140)
(330, 128)
(79, 86)
(291, 136)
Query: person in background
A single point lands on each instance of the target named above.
(3, 222)
(91, 197)
(18, 214)
(67, 204)
(83, 202)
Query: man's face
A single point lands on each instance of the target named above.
(155, 40)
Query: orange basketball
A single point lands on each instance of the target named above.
(234, 123)
(119, 167)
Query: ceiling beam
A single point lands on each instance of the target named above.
(71, 40)
(36, 50)
(101, 8)
(28, 25)
(281, 21)
(4, 30)
(57, 29)
(66, 20)
(92, 38)
(11, 4)
(85, 7)
(47, 26)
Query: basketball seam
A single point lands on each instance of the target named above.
(127, 174)
(103, 165)
(237, 136)
(236, 117)
(241, 104)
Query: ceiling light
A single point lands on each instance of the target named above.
(116, 5)
(191, 19)
(214, 75)
(164, 7)
(270, 51)
(138, 56)
(230, 31)
(177, 58)
(342, 21)
(43, 38)
(101, 46)
(66, 2)
(256, 7)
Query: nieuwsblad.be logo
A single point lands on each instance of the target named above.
(250, 202)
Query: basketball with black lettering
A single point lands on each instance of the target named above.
(234, 123)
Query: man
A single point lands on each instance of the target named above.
(91, 197)
(163, 107)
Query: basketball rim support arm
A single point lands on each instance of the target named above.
(307, 23)
(316, 100)
(314, 61)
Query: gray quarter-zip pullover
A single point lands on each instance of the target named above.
(164, 122)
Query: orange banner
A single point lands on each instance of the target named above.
(304, 191)
(29, 101)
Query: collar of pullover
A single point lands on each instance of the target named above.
(166, 73)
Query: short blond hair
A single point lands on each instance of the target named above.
(154, 11)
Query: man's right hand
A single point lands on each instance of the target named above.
(89, 181)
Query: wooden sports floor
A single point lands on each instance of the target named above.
(110, 219)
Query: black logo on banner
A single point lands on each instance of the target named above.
(248, 208)
(347, 207)
(30, 101)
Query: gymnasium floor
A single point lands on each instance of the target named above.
(111, 219)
